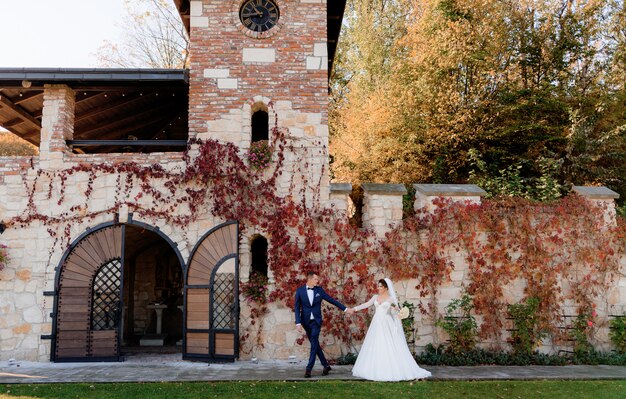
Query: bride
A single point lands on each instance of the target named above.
(385, 355)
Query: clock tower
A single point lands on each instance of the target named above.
(257, 62)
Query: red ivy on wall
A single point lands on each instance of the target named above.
(500, 240)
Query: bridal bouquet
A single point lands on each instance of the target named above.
(403, 313)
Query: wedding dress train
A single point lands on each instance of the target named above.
(385, 355)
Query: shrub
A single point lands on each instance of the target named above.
(259, 155)
(582, 331)
(527, 334)
(460, 324)
(407, 324)
(255, 290)
(617, 333)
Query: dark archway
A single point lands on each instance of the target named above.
(93, 293)
(153, 288)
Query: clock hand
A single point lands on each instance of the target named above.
(251, 14)
(257, 11)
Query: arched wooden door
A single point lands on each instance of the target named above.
(212, 297)
(89, 298)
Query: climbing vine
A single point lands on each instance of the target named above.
(562, 251)
(4, 257)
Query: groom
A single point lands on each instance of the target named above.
(309, 317)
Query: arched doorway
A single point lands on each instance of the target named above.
(212, 297)
(111, 285)
(153, 291)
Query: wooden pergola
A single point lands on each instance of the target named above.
(111, 104)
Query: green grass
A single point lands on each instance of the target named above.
(329, 389)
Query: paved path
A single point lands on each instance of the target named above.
(173, 369)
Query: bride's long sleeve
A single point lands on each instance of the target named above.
(365, 305)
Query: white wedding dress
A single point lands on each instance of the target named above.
(385, 355)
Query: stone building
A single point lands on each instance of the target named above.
(120, 286)
(129, 282)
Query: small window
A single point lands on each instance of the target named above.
(258, 251)
(260, 126)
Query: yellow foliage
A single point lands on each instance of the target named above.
(11, 145)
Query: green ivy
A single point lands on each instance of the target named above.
(527, 334)
(617, 333)
(460, 324)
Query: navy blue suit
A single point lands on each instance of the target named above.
(312, 326)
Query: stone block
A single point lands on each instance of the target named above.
(225, 84)
(196, 8)
(199, 22)
(313, 63)
(259, 55)
(216, 73)
(320, 50)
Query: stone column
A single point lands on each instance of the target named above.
(340, 198)
(57, 125)
(602, 197)
(426, 193)
(382, 206)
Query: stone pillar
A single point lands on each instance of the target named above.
(340, 198)
(382, 206)
(57, 125)
(602, 197)
(426, 193)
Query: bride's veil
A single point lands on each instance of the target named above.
(392, 292)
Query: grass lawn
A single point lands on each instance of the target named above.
(328, 389)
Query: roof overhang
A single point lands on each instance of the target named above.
(110, 104)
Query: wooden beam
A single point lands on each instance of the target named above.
(122, 102)
(138, 116)
(25, 97)
(166, 86)
(130, 143)
(39, 112)
(21, 112)
(12, 122)
(88, 96)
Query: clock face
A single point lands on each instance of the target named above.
(259, 15)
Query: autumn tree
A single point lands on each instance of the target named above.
(11, 145)
(155, 38)
(533, 86)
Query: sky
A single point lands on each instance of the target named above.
(57, 33)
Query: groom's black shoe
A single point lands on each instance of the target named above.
(326, 370)
(307, 374)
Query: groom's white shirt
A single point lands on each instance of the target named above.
(310, 294)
